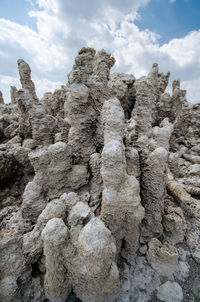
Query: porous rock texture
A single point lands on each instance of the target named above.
(99, 188)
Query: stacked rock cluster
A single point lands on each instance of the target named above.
(99, 188)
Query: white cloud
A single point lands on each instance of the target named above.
(44, 85)
(172, 1)
(184, 51)
(193, 90)
(63, 27)
(49, 5)
(45, 55)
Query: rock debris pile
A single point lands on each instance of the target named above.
(99, 188)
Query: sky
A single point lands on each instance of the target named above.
(48, 34)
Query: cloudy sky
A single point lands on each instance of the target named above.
(48, 34)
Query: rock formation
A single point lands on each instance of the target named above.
(1, 98)
(99, 188)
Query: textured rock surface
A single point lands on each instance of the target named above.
(55, 236)
(121, 207)
(1, 98)
(170, 292)
(25, 78)
(99, 188)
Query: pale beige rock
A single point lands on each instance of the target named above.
(121, 209)
(54, 102)
(174, 224)
(78, 169)
(52, 165)
(152, 143)
(13, 264)
(192, 190)
(133, 162)
(189, 204)
(78, 215)
(162, 257)
(195, 170)
(32, 244)
(69, 199)
(33, 201)
(83, 67)
(13, 94)
(81, 117)
(195, 159)
(25, 78)
(55, 236)
(96, 181)
(97, 276)
(162, 134)
(33, 121)
(170, 292)
(154, 179)
(193, 239)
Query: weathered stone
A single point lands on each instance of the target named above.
(170, 292)
(99, 188)
(25, 78)
(97, 276)
(1, 98)
(162, 257)
(13, 94)
(121, 208)
(174, 224)
(56, 284)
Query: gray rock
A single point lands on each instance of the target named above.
(99, 188)
(170, 292)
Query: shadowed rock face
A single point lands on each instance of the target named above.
(100, 180)
(1, 98)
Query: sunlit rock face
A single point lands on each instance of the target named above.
(99, 188)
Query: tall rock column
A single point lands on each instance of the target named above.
(151, 138)
(81, 116)
(25, 78)
(55, 236)
(154, 182)
(121, 208)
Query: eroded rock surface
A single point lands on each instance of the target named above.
(99, 188)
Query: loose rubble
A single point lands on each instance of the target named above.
(99, 188)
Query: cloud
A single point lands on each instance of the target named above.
(63, 27)
(172, 1)
(44, 54)
(3, 54)
(185, 51)
(91, 9)
(193, 90)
